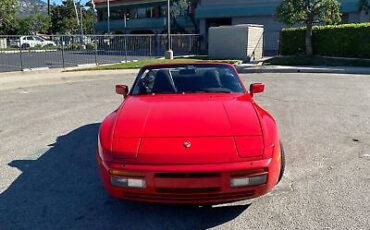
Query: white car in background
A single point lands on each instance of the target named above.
(33, 41)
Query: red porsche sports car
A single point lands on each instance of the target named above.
(192, 134)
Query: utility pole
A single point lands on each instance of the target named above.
(169, 53)
(81, 20)
(108, 9)
(48, 7)
(49, 30)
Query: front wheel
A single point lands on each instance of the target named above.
(282, 160)
(25, 46)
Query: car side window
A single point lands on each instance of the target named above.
(38, 39)
(145, 83)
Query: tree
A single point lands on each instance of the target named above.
(183, 7)
(308, 13)
(35, 23)
(89, 20)
(8, 10)
(64, 20)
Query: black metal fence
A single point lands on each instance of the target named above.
(33, 51)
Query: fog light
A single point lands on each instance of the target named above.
(248, 181)
(127, 182)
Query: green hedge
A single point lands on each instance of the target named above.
(347, 40)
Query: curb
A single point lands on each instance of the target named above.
(26, 51)
(35, 69)
(301, 69)
(87, 65)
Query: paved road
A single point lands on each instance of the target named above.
(54, 59)
(48, 176)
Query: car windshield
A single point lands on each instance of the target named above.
(187, 79)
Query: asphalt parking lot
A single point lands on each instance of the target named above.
(48, 177)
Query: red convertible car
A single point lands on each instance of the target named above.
(189, 134)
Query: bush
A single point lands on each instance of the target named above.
(91, 46)
(347, 40)
(73, 46)
(38, 46)
(48, 46)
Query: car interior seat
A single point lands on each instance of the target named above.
(163, 83)
(211, 79)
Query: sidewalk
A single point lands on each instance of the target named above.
(259, 68)
(10, 80)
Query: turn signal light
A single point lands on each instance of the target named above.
(250, 172)
(125, 173)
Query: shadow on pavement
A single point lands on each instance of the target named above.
(62, 190)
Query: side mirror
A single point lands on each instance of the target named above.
(256, 88)
(122, 90)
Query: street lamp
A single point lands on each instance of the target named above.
(108, 16)
(169, 53)
(125, 23)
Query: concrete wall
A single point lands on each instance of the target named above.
(272, 30)
(245, 44)
(255, 42)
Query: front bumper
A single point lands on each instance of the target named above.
(191, 184)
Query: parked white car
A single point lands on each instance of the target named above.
(34, 40)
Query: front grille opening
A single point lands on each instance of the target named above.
(187, 175)
(187, 190)
(190, 198)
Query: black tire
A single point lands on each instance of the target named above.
(25, 46)
(282, 169)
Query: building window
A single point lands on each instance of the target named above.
(141, 13)
(100, 16)
(150, 12)
(116, 14)
(132, 13)
(146, 12)
(163, 11)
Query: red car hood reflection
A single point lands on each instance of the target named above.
(206, 115)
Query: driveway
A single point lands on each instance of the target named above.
(49, 180)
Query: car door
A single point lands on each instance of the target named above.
(31, 41)
(39, 41)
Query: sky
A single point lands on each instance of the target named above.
(58, 2)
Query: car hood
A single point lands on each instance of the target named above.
(201, 115)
